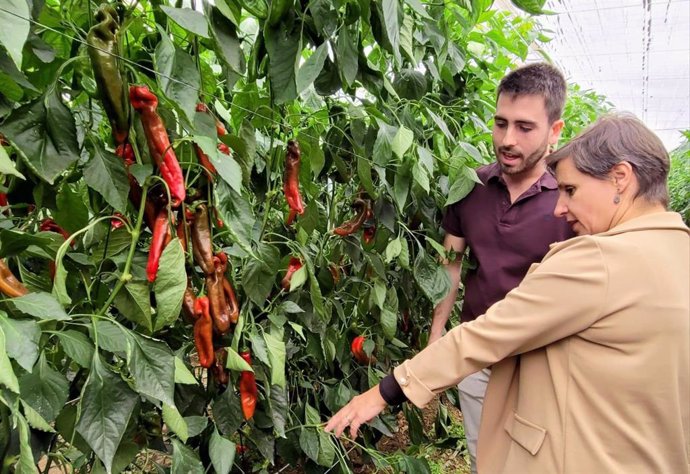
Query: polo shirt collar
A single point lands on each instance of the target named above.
(546, 180)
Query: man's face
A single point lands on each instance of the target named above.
(522, 133)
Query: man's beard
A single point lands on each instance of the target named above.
(527, 163)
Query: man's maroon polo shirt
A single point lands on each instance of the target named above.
(504, 238)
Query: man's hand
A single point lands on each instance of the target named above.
(361, 409)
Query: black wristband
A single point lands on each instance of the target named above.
(390, 391)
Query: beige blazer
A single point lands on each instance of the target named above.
(590, 355)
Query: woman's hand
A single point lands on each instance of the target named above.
(361, 409)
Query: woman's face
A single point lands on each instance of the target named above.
(586, 202)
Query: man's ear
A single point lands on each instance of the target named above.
(622, 175)
(556, 129)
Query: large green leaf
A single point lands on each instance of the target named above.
(26, 464)
(459, 189)
(283, 45)
(185, 460)
(535, 7)
(237, 215)
(107, 404)
(276, 354)
(431, 277)
(152, 365)
(227, 412)
(392, 23)
(170, 284)
(174, 420)
(279, 409)
(45, 390)
(190, 20)
(105, 173)
(227, 42)
(72, 206)
(222, 452)
(14, 18)
(77, 346)
(383, 146)
(40, 305)
(134, 302)
(178, 76)
(346, 50)
(259, 275)
(45, 136)
(311, 68)
(7, 376)
(228, 169)
(21, 340)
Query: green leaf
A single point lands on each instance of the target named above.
(421, 177)
(170, 284)
(276, 354)
(407, 39)
(390, 19)
(222, 453)
(183, 375)
(311, 68)
(35, 420)
(410, 84)
(173, 419)
(7, 376)
(14, 17)
(459, 189)
(227, 412)
(279, 409)
(393, 249)
(364, 173)
(105, 173)
(471, 151)
(402, 141)
(196, 424)
(45, 136)
(133, 301)
(228, 45)
(431, 277)
(418, 8)
(21, 340)
(259, 275)
(40, 305)
(283, 45)
(236, 362)
(315, 294)
(72, 209)
(298, 278)
(77, 346)
(191, 20)
(7, 166)
(107, 403)
(384, 142)
(26, 462)
(111, 337)
(441, 124)
(404, 257)
(535, 7)
(237, 214)
(309, 442)
(45, 390)
(152, 365)
(326, 450)
(346, 51)
(184, 460)
(389, 323)
(401, 187)
(379, 293)
(177, 75)
(228, 169)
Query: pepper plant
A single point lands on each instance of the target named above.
(240, 193)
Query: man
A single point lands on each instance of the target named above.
(507, 223)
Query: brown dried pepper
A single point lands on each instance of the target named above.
(145, 102)
(219, 307)
(248, 391)
(203, 332)
(362, 206)
(161, 237)
(230, 297)
(220, 373)
(188, 302)
(291, 190)
(9, 285)
(293, 265)
(202, 247)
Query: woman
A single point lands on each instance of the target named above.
(591, 353)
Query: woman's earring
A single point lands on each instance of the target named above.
(617, 198)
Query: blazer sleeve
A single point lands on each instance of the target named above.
(559, 297)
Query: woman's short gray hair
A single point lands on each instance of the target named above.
(615, 138)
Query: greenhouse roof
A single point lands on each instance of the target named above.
(634, 52)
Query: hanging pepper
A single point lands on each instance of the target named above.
(117, 221)
(291, 181)
(145, 102)
(203, 332)
(220, 373)
(126, 152)
(357, 348)
(9, 285)
(335, 272)
(161, 237)
(188, 302)
(369, 234)
(216, 296)
(202, 246)
(3, 199)
(248, 391)
(362, 207)
(104, 53)
(230, 297)
(293, 265)
(49, 225)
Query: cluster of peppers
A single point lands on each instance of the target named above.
(214, 312)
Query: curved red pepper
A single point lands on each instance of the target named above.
(291, 180)
(294, 265)
(145, 102)
(248, 391)
(358, 350)
(362, 207)
(230, 297)
(161, 236)
(203, 332)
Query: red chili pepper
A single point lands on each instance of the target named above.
(291, 180)
(161, 237)
(230, 297)
(49, 225)
(241, 448)
(116, 223)
(3, 199)
(362, 206)
(294, 265)
(248, 391)
(188, 304)
(203, 332)
(369, 234)
(220, 373)
(145, 102)
(216, 294)
(358, 350)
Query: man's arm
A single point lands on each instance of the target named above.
(454, 268)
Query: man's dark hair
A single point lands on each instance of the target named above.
(537, 79)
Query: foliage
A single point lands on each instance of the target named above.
(679, 179)
(390, 100)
